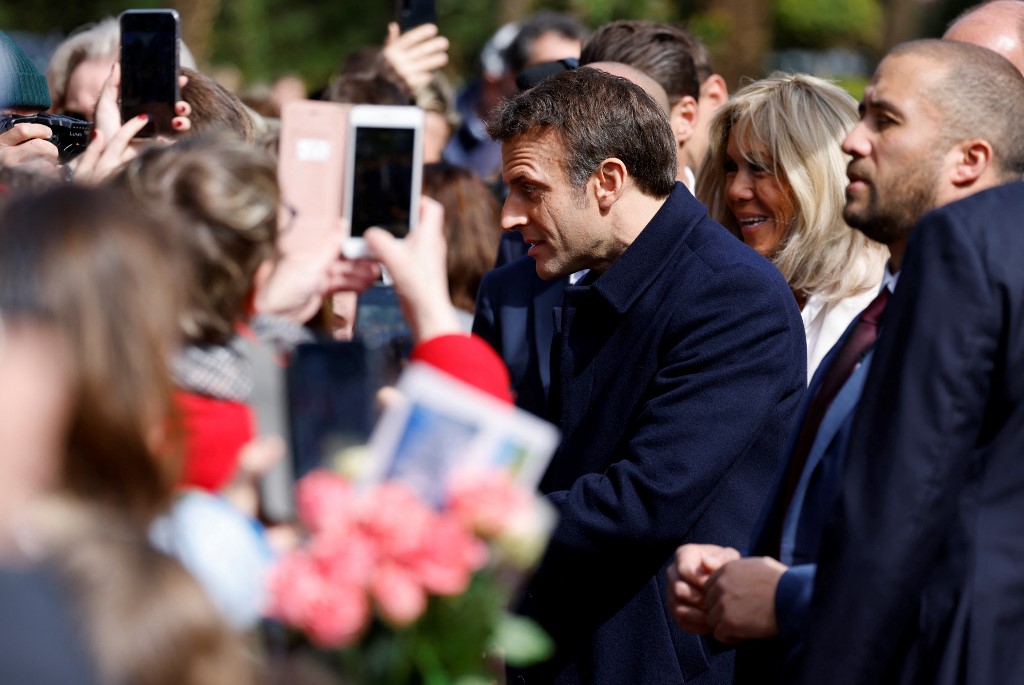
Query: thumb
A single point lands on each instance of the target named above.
(382, 243)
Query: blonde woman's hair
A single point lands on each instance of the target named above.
(799, 122)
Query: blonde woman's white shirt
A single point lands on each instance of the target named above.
(824, 323)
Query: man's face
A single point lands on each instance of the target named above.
(897, 149)
(562, 225)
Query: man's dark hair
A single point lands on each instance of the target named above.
(664, 52)
(979, 94)
(518, 54)
(596, 116)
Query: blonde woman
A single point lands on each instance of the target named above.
(775, 176)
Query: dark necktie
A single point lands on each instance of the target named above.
(849, 356)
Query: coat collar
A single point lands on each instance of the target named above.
(652, 251)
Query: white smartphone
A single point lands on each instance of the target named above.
(383, 172)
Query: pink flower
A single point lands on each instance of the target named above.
(399, 597)
(446, 564)
(487, 501)
(340, 616)
(396, 518)
(325, 501)
(348, 559)
(295, 586)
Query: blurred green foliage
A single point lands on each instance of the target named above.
(820, 24)
(267, 38)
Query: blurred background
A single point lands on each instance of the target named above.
(249, 44)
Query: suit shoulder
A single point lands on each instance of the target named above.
(719, 253)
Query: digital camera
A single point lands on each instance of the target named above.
(70, 135)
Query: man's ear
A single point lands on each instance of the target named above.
(713, 92)
(609, 182)
(683, 118)
(971, 159)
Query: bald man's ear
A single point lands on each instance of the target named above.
(972, 159)
(683, 118)
(609, 182)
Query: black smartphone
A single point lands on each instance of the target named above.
(150, 42)
(412, 13)
(331, 390)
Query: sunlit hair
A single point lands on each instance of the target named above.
(794, 124)
(106, 277)
(596, 116)
(228, 195)
(215, 108)
(472, 221)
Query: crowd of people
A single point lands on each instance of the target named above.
(780, 333)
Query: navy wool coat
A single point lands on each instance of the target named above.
(679, 372)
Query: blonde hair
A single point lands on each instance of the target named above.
(799, 122)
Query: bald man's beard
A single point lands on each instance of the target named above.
(890, 212)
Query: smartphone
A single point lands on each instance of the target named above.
(412, 13)
(311, 172)
(149, 67)
(383, 172)
(380, 325)
(331, 397)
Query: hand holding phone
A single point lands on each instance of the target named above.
(150, 41)
(410, 59)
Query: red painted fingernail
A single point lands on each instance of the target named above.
(176, 124)
(143, 117)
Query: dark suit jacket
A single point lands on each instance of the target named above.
(680, 371)
(921, 577)
(514, 315)
(800, 526)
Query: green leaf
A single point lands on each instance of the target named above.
(521, 642)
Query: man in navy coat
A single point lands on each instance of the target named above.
(935, 126)
(921, 578)
(678, 364)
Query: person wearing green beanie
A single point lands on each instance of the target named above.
(23, 91)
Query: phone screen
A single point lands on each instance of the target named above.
(382, 183)
(332, 388)
(149, 68)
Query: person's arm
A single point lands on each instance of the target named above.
(918, 422)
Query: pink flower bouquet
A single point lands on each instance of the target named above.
(392, 590)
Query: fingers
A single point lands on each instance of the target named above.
(352, 275)
(182, 121)
(414, 35)
(108, 113)
(716, 559)
(393, 33)
(20, 134)
(691, 619)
